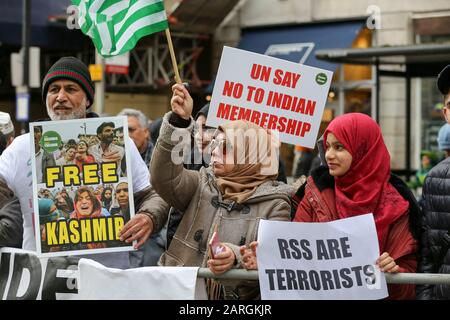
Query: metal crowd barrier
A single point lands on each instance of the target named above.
(398, 278)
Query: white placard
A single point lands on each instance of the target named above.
(332, 260)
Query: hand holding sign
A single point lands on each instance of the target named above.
(181, 101)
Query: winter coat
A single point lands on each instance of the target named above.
(435, 240)
(317, 200)
(197, 195)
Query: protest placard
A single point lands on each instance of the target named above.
(275, 94)
(330, 260)
(81, 185)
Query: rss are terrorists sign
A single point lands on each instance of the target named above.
(275, 94)
(81, 185)
(330, 260)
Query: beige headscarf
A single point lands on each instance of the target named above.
(255, 159)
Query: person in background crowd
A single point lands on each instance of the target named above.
(86, 205)
(356, 181)
(435, 240)
(232, 196)
(43, 158)
(304, 162)
(427, 162)
(68, 92)
(149, 253)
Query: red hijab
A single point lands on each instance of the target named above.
(365, 188)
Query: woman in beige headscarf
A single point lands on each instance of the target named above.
(237, 190)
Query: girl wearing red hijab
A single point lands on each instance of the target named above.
(358, 181)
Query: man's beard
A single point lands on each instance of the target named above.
(78, 113)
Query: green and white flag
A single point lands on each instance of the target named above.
(115, 26)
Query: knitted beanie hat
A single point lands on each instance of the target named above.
(69, 68)
(444, 137)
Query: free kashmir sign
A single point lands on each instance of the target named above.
(329, 260)
(275, 94)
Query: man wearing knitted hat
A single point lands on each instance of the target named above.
(67, 89)
(435, 254)
(68, 92)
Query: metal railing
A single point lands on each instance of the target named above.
(398, 278)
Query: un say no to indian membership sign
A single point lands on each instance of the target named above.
(272, 93)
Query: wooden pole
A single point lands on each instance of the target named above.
(172, 56)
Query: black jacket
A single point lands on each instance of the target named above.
(435, 239)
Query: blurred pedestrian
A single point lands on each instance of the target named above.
(435, 241)
(105, 150)
(233, 194)
(69, 156)
(43, 158)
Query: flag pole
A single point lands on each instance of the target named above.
(172, 56)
